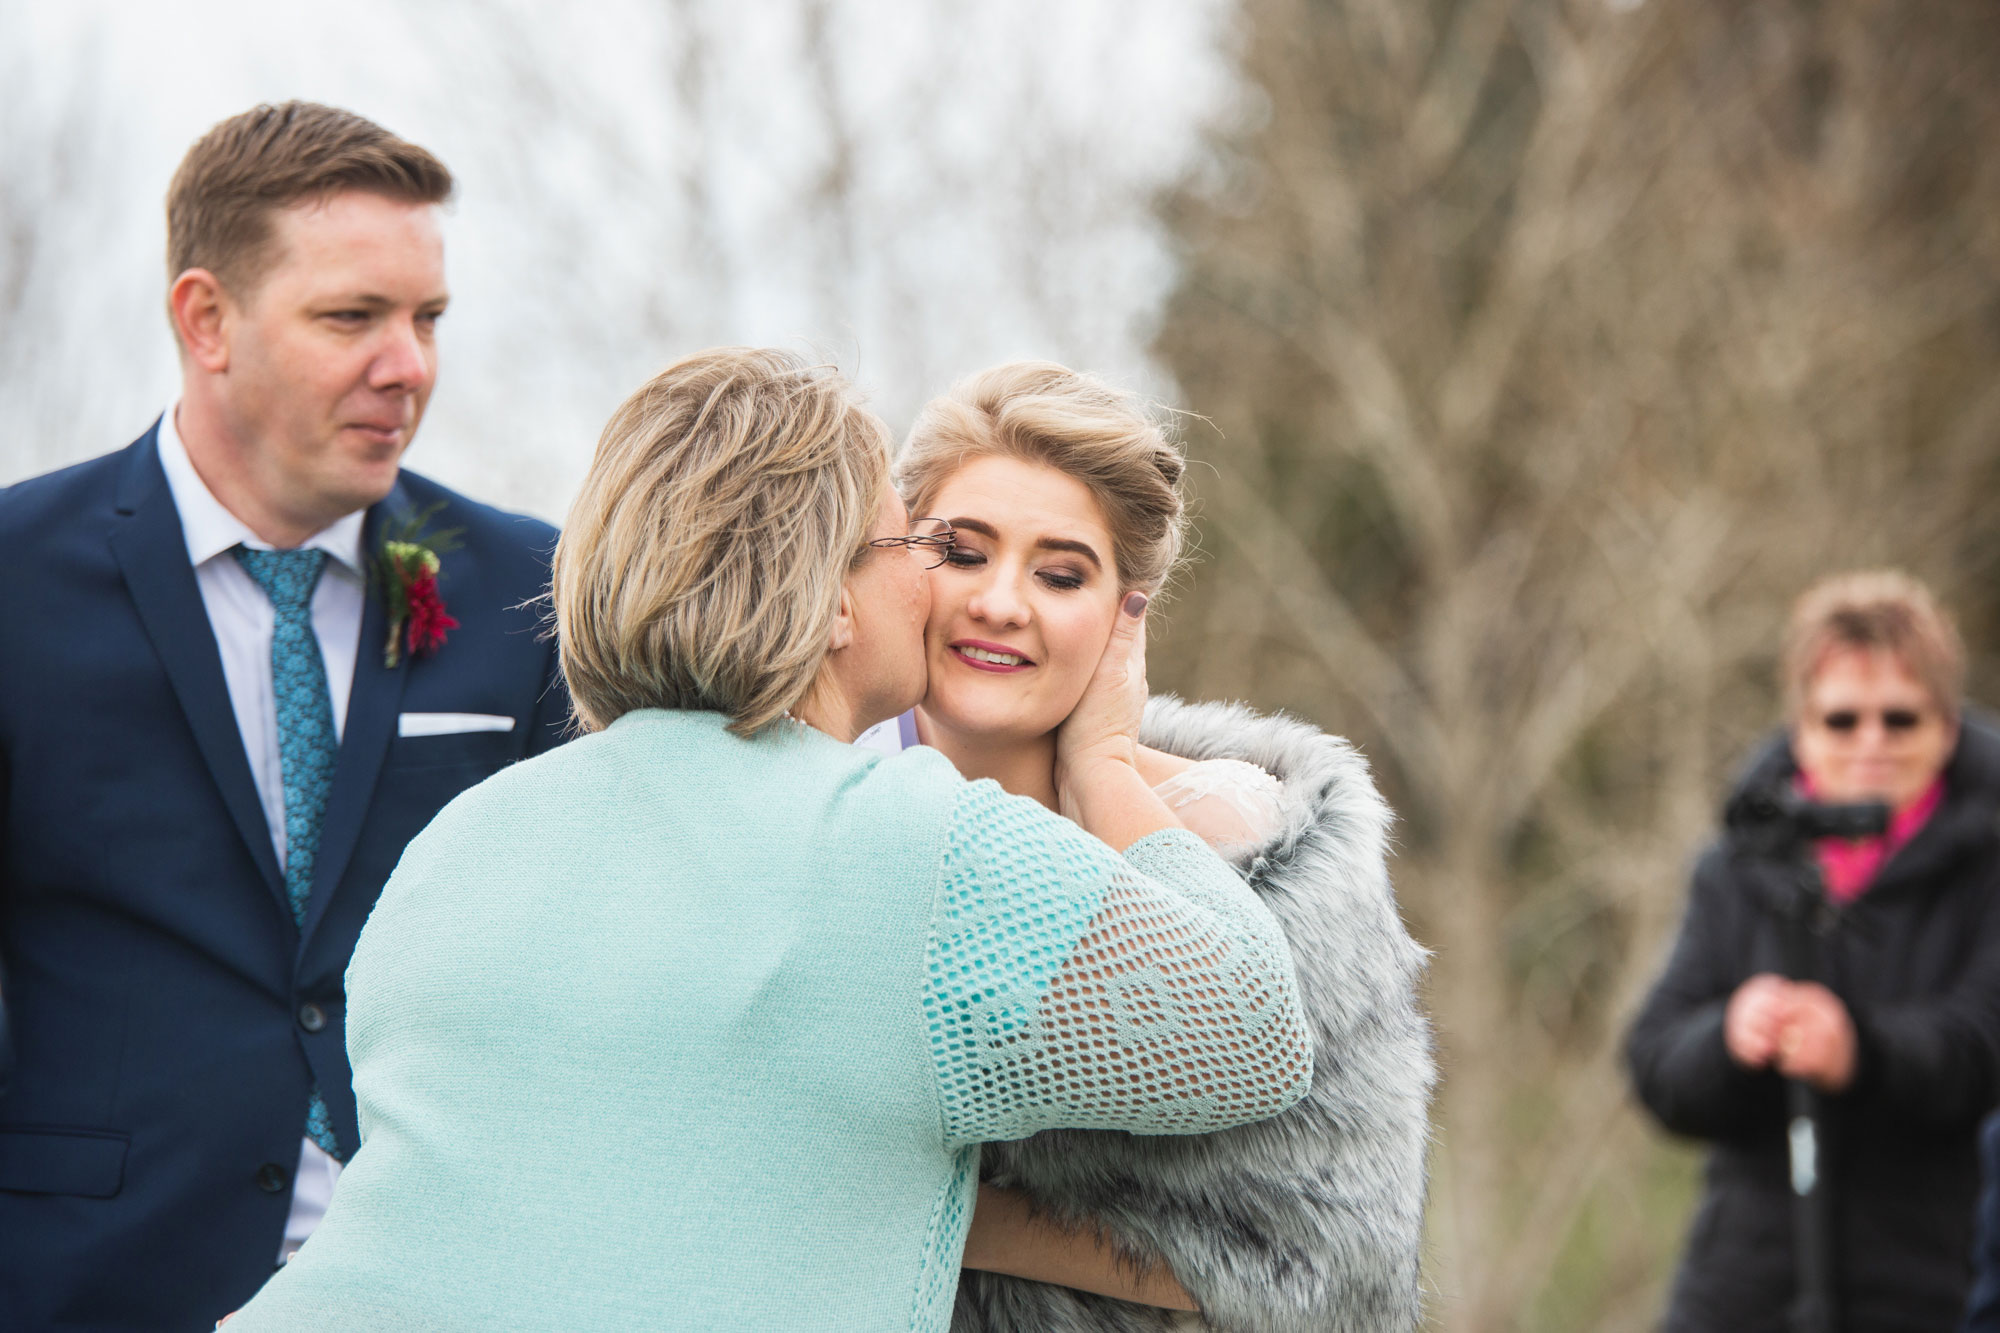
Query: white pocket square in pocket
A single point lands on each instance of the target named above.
(450, 724)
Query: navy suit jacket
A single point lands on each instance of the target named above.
(168, 1018)
(1983, 1310)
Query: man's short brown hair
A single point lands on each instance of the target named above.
(237, 175)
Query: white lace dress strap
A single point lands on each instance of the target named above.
(1227, 794)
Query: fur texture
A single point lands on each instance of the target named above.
(1309, 1222)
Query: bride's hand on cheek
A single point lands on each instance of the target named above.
(1104, 726)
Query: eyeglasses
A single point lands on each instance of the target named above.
(930, 539)
(1848, 720)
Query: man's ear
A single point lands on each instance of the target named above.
(842, 634)
(202, 313)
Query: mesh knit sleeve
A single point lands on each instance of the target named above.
(1071, 987)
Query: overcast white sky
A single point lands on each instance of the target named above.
(923, 188)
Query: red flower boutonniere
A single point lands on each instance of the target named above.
(407, 565)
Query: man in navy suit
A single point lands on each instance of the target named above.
(1982, 1312)
(222, 715)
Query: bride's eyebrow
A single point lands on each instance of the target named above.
(1073, 547)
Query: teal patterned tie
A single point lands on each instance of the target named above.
(307, 746)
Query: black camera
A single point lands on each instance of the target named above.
(1778, 822)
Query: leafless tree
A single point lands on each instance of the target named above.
(59, 132)
(917, 189)
(1550, 347)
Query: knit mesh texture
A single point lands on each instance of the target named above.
(944, 1244)
(1067, 988)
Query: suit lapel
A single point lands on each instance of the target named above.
(372, 708)
(152, 553)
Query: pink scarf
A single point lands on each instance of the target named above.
(1849, 866)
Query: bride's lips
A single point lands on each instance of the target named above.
(958, 647)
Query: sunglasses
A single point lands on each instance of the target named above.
(1848, 720)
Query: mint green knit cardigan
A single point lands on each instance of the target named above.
(670, 1029)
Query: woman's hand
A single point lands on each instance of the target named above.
(1104, 726)
(1818, 1044)
(1097, 746)
(1800, 1028)
(1753, 1020)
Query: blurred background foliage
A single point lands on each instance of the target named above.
(1535, 354)
(914, 188)
(1543, 352)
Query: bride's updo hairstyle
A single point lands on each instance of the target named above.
(1040, 412)
(702, 563)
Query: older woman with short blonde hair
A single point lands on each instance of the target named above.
(1898, 1030)
(699, 1021)
(708, 574)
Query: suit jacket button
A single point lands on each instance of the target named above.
(311, 1017)
(272, 1178)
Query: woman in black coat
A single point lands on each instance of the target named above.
(1899, 1035)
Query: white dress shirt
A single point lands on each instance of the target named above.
(242, 617)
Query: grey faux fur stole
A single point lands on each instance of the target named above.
(1310, 1222)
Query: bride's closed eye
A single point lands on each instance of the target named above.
(1056, 578)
